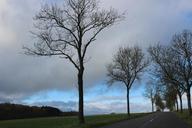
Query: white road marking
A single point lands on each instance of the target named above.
(151, 120)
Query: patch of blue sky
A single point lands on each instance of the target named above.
(187, 19)
(188, 15)
(52, 95)
(99, 93)
(106, 94)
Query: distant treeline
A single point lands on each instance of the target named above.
(16, 111)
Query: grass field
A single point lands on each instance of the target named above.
(185, 116)
(66, 122)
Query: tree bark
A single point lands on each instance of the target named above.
(128, 108)
(177, 106)
(152, 105)
(181, 103)
(80, 86)
(189, 101)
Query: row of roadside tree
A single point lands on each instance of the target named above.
(172, 71)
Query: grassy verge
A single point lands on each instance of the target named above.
(67, 122)
(185, 116)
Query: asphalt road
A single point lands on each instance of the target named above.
(156, 120)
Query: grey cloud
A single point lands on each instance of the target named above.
(11, 98)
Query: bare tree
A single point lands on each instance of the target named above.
(150, 92)
(180, 93)
(170, 97)
(175, 63)
(165, 61)
(178, 90)
(182, 46)
(160, 106)
(127, 66)
(68, 30)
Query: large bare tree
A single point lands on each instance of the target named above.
(127, 66)
(68, 30)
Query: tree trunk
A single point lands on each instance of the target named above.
(181, 103)
(189, 101)
(177, 106)
(152, 105)
(128, 108)
(80, 86)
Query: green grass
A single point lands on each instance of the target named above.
(185, 116)
(66, 122)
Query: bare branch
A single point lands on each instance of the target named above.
(67, 31)
(127, 65)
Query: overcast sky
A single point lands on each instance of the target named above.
(52, 81)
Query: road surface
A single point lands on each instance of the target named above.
(156, 120)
